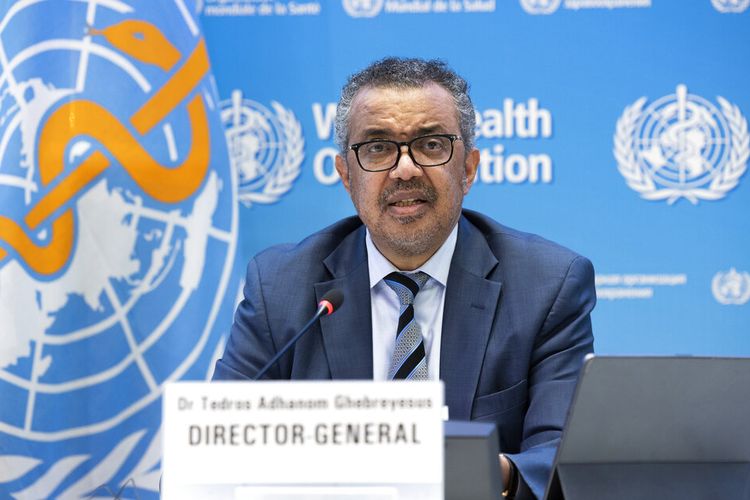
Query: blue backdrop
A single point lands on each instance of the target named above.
(615, 127)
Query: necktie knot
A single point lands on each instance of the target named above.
(406, 285)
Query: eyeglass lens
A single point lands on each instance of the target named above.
(426, 151)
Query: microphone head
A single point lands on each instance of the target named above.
(332, 300)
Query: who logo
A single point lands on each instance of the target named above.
(363, 8)
(540, 6)
(118, 229)
(682, 146)
(266, 148)
(730, 6)
(731, 287)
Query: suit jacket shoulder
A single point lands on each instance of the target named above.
(311, 251)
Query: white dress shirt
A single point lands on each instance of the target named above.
(428, 306)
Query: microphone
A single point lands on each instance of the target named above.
(330, 303)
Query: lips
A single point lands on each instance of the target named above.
(407, 202)
(406, 199)
(407, 195)
(406, 206)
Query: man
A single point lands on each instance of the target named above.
(502, 317)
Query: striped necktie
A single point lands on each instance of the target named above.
(408, 360)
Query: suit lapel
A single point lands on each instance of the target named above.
(347, 334)
(470, 304)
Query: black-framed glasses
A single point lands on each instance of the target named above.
(379, 155)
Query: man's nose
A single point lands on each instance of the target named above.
(405, 169)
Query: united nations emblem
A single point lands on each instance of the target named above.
(363, 8)
(682, 146)
(731, 287)
(118, 228)
(730, 6)
(540, 6)
(266, 148)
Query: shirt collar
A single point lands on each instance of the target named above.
(437, 266)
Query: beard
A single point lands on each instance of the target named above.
(411, 236)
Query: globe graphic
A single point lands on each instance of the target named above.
(682, 144)
(86, 347)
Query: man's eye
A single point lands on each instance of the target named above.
(376, 148)
(433, 144)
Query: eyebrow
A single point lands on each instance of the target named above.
(432, 129)
(375, 132)
(381, 133)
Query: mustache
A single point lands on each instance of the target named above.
(413, 186)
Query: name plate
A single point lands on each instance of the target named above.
(220, 439)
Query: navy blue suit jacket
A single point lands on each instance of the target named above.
(516, 327)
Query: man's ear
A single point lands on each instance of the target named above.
(343, 169)
(470, 169)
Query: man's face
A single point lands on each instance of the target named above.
(409, 210)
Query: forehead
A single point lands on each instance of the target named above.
(402, 112)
